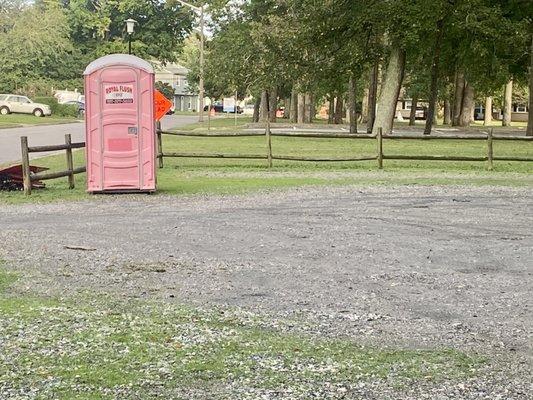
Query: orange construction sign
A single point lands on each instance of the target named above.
(161, 105)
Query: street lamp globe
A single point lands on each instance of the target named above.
(130, 25)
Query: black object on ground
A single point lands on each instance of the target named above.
(11, 178)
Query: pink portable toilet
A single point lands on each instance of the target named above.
(119, 124)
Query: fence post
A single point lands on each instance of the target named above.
(269, 143)
(490, 151)
(70, 162)
(379, 137)
(26, 179)
(159, 145)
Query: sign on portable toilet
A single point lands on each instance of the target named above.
(120, 125)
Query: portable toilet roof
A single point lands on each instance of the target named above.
(120, 59)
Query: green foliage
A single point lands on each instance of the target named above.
(98, 28)
(166, 89)
(58, 110)
(315, 46)
(36, 54)
(48, 43)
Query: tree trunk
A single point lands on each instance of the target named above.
(257, 105)
(529, 131)
(364, 107)
(372, 96)
(468, 105)
(287, 109)
(352, 104)
(390, 90)
(458, 97)
(308, 109)
(301, 108)
(294, 106)
(273, 104)
(331, 109)
(507, 104)
(487, 118)
(431, 117)
(339, 110)
(412, 114)
(312, 108)
(263, 113)
(447, 112)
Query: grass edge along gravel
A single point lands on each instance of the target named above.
(212, 176)
(101, 347)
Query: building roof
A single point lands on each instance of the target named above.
(170, 68)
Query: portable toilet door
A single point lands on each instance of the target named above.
(119, 124)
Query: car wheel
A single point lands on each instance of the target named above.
(4, 111)
(38, 112)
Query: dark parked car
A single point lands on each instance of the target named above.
(79, 104)
(220, 108)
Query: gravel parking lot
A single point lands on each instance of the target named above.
(407, 266)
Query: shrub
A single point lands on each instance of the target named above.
(58, 110)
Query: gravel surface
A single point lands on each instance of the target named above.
(410, 266)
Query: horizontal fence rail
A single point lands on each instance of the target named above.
(489, 138)
(28, 177)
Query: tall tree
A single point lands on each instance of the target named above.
(38, 55)
(530, 116)
(507, 103)
(390, 90)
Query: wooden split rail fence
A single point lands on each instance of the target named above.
(379, 138)
(29, 177)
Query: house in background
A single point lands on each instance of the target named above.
(66, 95)
(519, 112)
(176, 76)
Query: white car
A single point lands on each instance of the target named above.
(14, 103)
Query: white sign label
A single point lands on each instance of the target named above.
(118, 94)
(228, 104)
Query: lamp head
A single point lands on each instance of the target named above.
(130, 25)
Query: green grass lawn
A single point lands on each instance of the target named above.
(103, 347)
(13, 120)
(228, 122)
(477, 125)
(190, 176)
(220, 122)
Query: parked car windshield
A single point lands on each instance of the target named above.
(3, 97)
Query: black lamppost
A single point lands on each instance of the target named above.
(130, 26)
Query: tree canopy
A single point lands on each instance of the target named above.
(317, 46)
(66, 35)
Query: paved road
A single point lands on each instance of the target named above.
(55, 134)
